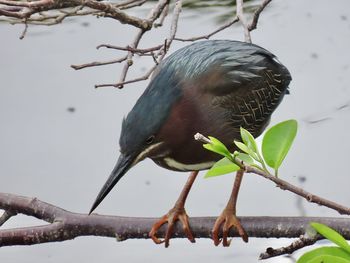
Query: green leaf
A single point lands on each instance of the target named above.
(244, 157)
(248, 140)
(277, 142)
(325, 255)
(329, 259)
(245, 149)
(223, 166)
(218, 147)
(331, 235)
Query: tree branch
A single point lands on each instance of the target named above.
(301, 242)
(284, 185)
(343, 210)
(158, 56)
(253, 24)
(99, 63)
(256, 15)
(30, 8)
(64, 225)
(209, 35)
(241, 17)
(51, 12)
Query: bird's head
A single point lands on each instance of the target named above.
(139, 135)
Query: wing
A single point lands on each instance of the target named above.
(248, 83)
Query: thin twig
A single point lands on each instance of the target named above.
(129, 4)
(54, 18)
(96, 63)
(121, 84)
(41, 12)
(174, 24)
(24, 30)
(129, 60)
(207, 36)
(301, 242)
(241, 17)
(6, 216)
(256, 15)
(343, 210)
(152, 16)
(162, 17)
(131, 49)
(136, 3)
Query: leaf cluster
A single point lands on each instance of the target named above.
(275, 146)
(328, 254)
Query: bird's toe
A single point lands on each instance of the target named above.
(170, 218)
(227, 220)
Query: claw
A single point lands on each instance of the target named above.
(171, 217)
(186, 227)
(155, 227)
(229, 220)
(215, 231)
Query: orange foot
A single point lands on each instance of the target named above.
(177, 213)
(229, 220)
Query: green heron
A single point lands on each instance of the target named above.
(213, 87)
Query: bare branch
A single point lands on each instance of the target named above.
(54, 18)
(201, 138)
(51, 12)
(241, 17)
(96, 63)
(116, 13)
(112, 10)
(256, 15)
(130, 4)
(343, 210)
(129, 60)
(24, 31)
(174, 23)
(158, 57)
(6, 216)
(152, 16)
(157, 10)
(162, 17)
(207, 36)
(302, 242)
(134, 50)
(121, 84)
(64, 225)
(34, 4)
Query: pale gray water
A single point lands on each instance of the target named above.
(64, 158)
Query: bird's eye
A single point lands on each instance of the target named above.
(150, 139)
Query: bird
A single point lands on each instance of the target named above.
(213, 87)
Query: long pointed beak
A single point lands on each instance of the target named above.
(123, 165)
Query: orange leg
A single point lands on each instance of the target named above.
(228, 217)
(176, 213)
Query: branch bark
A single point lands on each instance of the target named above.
(27, 10)
(65, 225)
(241, 17)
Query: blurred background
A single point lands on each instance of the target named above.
(59, 135)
